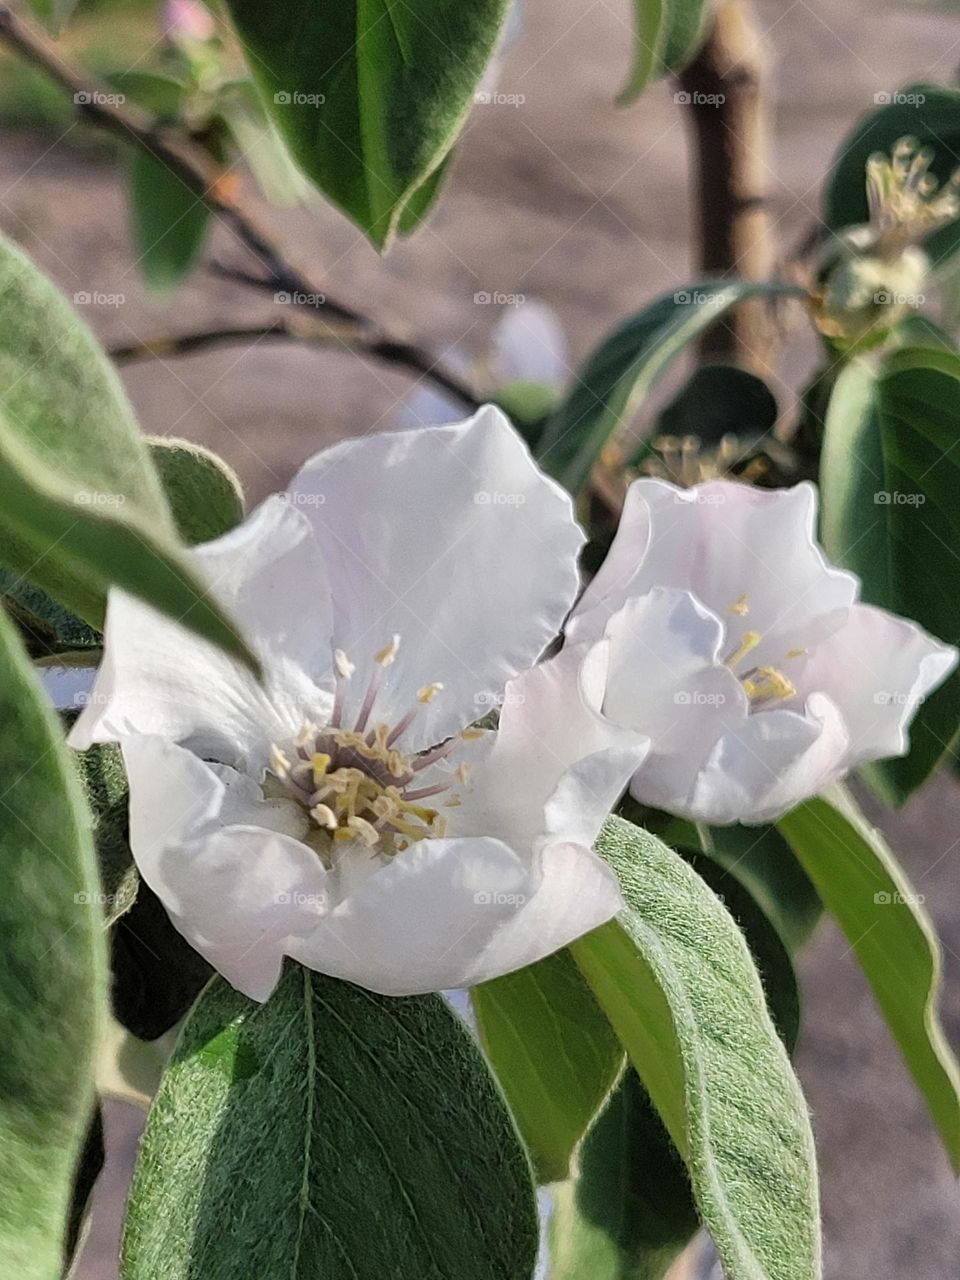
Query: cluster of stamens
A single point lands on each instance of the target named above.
(906, 201)
(358, 784)
(762, 685)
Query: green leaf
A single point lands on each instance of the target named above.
(554, 1053)
(928, 112)
(170, 222)
(720, 400)
(54, 14)
(889, 478)
(763, 862)
(630, 1211)
(157, 975)
(46, 627)
(666, 36)
(370, 94)
(868, 893)
(89, 1167)
(330, 1132)
(675, 977)
(618, 376)
(204, 494)
(83, 507)
(104, 782)
(52, 973)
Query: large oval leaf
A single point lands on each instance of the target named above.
(617, 377)
(330, 1132)
(868, 893)
(52, 973)
(369, 94)
(554, 1053)
(83, 507)
(675, 977)
(889, 477)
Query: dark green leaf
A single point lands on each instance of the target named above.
(52, 974)
(868, 893)
(104, 782)
(369, 98)
(170, 222)
(157, 975)
(554, 1053)
(889, 477)
(329, 1133)
(928, 112)
(617, 377)
(83, 506)
(46, 627)
(630, 1210)
(675, 977)
(720, 400)
(89, 1168)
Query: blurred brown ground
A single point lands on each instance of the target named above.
(568, 199)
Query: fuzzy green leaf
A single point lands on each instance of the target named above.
(52, 973)
(554, 1053)
(868, 893)
(618, 376)
(675, 977)
(83, 507)
(203, 492)
(369, 94)
(329, 1132)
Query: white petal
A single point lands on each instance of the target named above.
(529, 345)
(452, 913)
(770, 762)
(552, 736)
(157, 677)
(419, 922)
(453, 539)
(576, 894)
(878, 668)
(236, 892)
(667, 679)
(725, 542)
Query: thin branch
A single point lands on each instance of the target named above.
(193, 165)
(186, 344)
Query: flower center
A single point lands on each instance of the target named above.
(764, 686)
(358, 784)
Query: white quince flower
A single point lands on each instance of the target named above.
(744, 654)
(347, 812)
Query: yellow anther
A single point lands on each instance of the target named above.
(740, 607)
(797, 653)
(472, 734)
(307, 733)
(748, 643)
(320, 763)
(324, 816)
(429, 691)
(365, 830)
(387, 654)
(768, 685)
(345, 668)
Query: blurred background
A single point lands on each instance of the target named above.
(556, 195)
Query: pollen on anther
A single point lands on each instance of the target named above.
(740, 607)
(345, 668)
(429, 691)
(388, 653)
